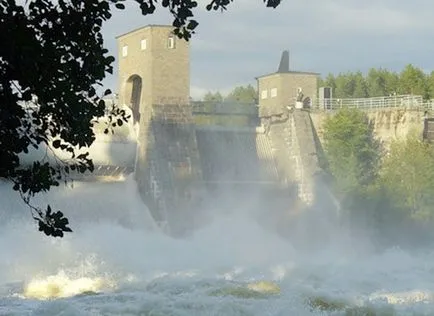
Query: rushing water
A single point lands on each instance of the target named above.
(117, 263)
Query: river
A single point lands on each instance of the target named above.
(117, 263)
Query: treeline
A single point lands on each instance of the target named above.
(241, 94)
(377, 82)
(391, 197)
(381, 82)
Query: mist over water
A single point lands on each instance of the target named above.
(118, 263)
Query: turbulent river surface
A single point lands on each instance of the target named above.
(117, 263)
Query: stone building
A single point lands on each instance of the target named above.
(154, 68)
(281, 88)
(154, 81)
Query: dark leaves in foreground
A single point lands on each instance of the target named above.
(53, 224)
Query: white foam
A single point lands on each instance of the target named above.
(116, 251)
(61, 285)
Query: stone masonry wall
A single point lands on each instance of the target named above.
(170, 69)
(168, 170)
(307, 152)
(428, 131)
(165, 71)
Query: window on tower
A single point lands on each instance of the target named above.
(124, 51)
(171, 42)
(143, 44)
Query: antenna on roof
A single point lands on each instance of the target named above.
(284, 62)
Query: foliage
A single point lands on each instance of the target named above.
(380, 82)
(352, 152)
(353, 160)
(431, 84)
(370, 209)
(408, 174)
(413, 80)
(240, 94)
(51, 62)
(382, 194)
(213, 97)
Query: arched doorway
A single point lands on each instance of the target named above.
(133, 95)
(307, 103)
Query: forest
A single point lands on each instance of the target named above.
(376, 82)
(381, 82)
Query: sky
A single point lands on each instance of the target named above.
(324, 36)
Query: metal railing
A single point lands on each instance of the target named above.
(226, 107)
(396, 101)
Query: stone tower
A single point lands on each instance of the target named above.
(280, 89)
(154, 81)
(154, 68)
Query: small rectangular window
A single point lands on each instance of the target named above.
(171, 42)
(143, 44)
(125, 51)
(273, 92)
(264, 94)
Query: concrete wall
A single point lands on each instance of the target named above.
(389, 124)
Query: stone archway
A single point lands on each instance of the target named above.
(133, 93)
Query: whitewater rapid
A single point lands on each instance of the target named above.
(118, 263)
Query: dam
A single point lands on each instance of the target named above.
(191, 153)
(187, 156)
